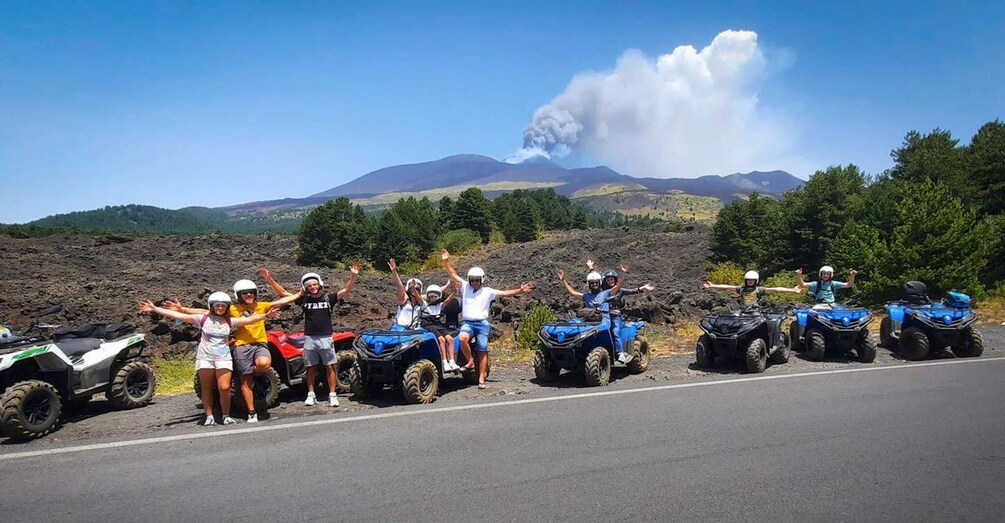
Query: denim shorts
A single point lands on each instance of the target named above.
(479, 331)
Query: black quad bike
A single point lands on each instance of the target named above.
(753, 334)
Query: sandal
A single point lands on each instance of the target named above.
(482, 386)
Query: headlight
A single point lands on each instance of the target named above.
(706, 325)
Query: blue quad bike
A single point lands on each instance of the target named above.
(752, 334)
(918, 326)
(838, 328)
(588, 347)
(401, 359)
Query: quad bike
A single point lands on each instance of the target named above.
(838, 328)
(39, 374)
(588, 347)
(287, 351)
(753, 334)
(408, 359)
(917, 325)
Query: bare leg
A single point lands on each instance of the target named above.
(483, 366)
(262, 364)
(310, 379)
(466, 350)
(443, 347)
(207, 383)
(223, 377)
(249, 397)
(332, 379)
(448, 341)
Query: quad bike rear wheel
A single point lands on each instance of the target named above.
(970, 344)
(640, 363)
(133, 386)
(886, 333)
(344, 362)
(421, 382)
(757, 356)
(598, 367)
(816, 344)
(913, 344)
(703, 355)
(544, 371)
(30, 410)
(781, 354)
(865, 347)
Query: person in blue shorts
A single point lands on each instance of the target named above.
(476, 302)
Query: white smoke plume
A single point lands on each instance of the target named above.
(684, 114)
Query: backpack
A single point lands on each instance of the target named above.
(820, 288)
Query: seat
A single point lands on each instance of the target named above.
(78, 346)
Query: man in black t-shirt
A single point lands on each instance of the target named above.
(317, 307)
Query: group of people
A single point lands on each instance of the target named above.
(822, 292)
(435, 308)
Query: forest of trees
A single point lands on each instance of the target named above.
(411, 230)
(937, 216)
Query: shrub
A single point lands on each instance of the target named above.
(460, 241)
(526, 336)
(726, 273)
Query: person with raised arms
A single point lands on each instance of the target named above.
(476, 303)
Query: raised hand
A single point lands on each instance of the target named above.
(273, 313)
(799, 271)
(647, 287)
(146, 306)
(173, 305)
(264, 273)
(444, 255)
(526, 287)
(561, 275)
(625, 267)
(393, 265)
(854, 272)
(355, 268)
(589, 264)
(706, 285)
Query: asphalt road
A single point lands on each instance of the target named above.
(911, 443)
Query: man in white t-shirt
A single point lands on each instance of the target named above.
(476, 301)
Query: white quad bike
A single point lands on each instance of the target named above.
(39, 374)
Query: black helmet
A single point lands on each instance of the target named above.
(610, 274)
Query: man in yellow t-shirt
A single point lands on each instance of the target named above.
(251, 344)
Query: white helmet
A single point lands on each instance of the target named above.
(594, 276)
(408, 284)
(311, 276)
(243, 286)
(434, 288)
(476, 272)
(752, 275)
(826, 268)
(218, 297)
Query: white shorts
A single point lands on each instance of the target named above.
(214, 364)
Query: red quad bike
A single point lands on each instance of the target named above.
(287, 350)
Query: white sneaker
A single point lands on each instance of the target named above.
(209, 421)
(445, 365)
(624, 357)
(227, 420)
(332, 400)
(311, 399)
(454, 367)
(253, 417)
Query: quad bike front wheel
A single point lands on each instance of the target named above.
(598, 367)
(757, 356)
(421, 382)
(30, 410)
(865, 347)
(970, 344)
(913, 344)
(640, 363)
(133, 386)
(816, 345)
(544, 371)
(703, 355)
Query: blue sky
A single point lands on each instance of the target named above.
(213, 103)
